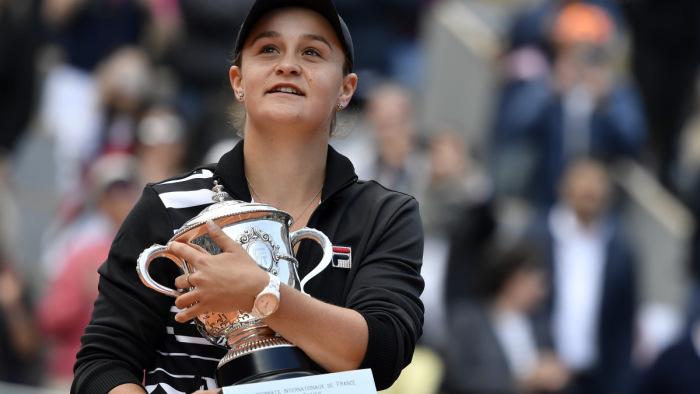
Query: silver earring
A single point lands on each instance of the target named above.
(340, 105)
(240, 96)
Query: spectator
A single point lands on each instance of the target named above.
(124, 80)
(66, 306)
(160, 144)
(496, 346)
(395, 161)
(593, 279)
(458, 217)
(455, 180)
(454, 183)
(576, 105)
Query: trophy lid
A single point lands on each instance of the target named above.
(226, 211)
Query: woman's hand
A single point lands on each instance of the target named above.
(229, 281)
(223, 283)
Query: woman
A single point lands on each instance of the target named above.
(498, 344)
(293, 72)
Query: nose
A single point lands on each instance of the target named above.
(288, 66)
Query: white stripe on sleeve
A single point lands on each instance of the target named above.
(204, 174)
(187, 199)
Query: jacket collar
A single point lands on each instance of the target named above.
(230, 172)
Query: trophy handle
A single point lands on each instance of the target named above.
(325, 243)
(144, 262)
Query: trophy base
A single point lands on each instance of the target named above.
(275, 363)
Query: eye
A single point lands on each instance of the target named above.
(268, 49)
(311, 52)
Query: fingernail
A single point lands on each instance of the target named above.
(211, 225)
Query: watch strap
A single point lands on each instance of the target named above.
(273, 287)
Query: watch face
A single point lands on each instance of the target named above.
(266, 304)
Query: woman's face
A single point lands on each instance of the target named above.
(292, 70)
(528, 287)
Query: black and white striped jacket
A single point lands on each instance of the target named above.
(376, 232)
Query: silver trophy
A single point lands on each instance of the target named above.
(255, 352)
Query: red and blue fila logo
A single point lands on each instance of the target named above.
(342, 257)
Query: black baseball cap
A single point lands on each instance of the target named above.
(323, 7)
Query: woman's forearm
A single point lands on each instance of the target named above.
(334, 337)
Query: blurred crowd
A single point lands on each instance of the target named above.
(533, 284)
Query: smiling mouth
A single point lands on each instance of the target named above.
(286, 90)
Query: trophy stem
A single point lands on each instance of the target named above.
(275, 363)
(257, 353)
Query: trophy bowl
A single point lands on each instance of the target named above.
(254, 351)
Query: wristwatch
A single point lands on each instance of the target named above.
(267, 302)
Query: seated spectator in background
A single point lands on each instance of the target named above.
(495, 345)
(395, 161)
(453, 197)
(161, 144)
(676, 369)
(455, 180)
(66, 306)
(457, 205)
(593, 279)
(125, 88)
(574, 103)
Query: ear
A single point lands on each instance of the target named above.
(348, 89)
(236, 77)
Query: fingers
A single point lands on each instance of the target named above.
(189, 313)
(199, 248)
(185, 251)
(185, 281)
(185, 300)
(191, 252)
(226, 243)
(191, 307)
